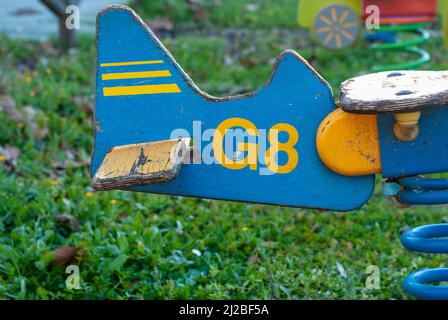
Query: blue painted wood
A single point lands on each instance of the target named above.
(295, 94)
(427, 154)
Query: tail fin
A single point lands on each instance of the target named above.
(131, 60)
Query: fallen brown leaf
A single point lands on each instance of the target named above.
(72, 159)
(10, 155)
(349, 245)
(84, 103)
(27, 115)
(161, 25)
(8, 106)
(122, 216)
(48, 49)
(200, 14)
(253, 260)
(135, 283)
(58, 165)
(65, 255)
(250, 62)
(68, 221)
(269, 244)
(31, 116)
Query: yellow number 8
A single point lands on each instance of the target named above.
(277, 146)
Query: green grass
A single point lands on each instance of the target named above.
(141, 246)
(224, 13)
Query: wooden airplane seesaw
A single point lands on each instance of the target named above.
(297, 150)
(285, 144)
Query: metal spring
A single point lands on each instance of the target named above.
(388, 41)
(425, 239)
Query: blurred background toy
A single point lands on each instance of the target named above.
(333, 24)
(337, 25)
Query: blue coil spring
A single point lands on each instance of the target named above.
(425, 239)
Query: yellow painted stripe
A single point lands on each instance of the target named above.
(130, 63)
(135, 75)
(135, 90)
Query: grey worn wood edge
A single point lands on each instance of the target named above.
(396, 105)
(120, 183)
(352, 106)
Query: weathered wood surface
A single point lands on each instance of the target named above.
(395, 92)
(141, 164)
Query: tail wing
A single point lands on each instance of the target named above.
(131, 60)
(135, 74)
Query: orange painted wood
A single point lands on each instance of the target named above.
(407, 19)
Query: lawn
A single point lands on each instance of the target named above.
(142, 246)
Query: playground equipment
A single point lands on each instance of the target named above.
(284, 144)
(427, 239)
(336, 25)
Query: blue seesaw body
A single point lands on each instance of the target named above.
(295, 95)
(426, 154)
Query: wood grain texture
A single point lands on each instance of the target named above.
(395, 92)
(140, 164)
